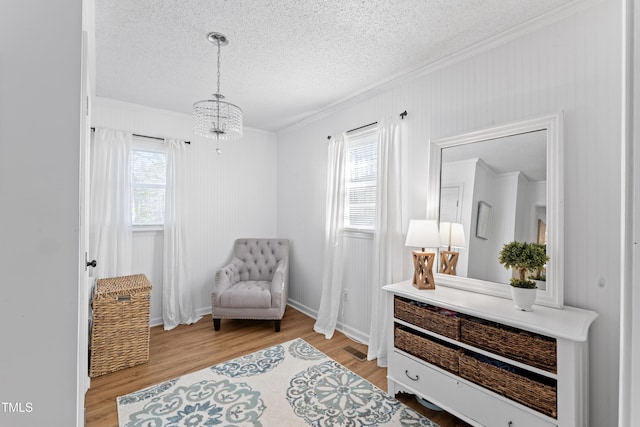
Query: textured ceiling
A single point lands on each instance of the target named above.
(286, 59)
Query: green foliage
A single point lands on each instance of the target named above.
(539, 255)
(524, 257)
(527, 284)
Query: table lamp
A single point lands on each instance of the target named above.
(423, 234)
(451, 236)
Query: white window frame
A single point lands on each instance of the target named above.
(355, 140)
(144, 144)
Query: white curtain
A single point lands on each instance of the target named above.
(110, 237)
(178, 298)
(388, 245)
(333, 240)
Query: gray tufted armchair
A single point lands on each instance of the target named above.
(255, 284)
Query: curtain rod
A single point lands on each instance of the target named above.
(146, 136)
(402, 116)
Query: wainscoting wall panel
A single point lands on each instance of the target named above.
(571, 65)
(355, 311)
(231, 195)
(148, 250)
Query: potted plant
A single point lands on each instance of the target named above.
(525, 258)
(539, 275)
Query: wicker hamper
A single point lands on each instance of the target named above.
(120, 325)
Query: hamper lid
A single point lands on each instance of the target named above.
(136, 282)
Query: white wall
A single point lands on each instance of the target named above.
(231, 195)
(463, 174)
(523, 211)
(537, 208)
(503, 194)
(573, 66)
(40, 51)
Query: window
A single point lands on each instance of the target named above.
(148, 184)
(360, 181)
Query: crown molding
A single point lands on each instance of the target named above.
(542, 21)
(125, 105)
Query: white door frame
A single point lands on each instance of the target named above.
(82, 377)
(629, 373)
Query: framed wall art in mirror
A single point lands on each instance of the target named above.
(511, 176)
(482, 223)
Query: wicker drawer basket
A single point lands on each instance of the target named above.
(120, 326)
(428, 317)
(534, 392)
(427, 348)
(532, 349)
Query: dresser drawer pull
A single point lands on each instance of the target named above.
(416, 378)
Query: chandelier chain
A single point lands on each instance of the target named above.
(218, 92)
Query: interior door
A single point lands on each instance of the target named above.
(451, 203)
(84, 269)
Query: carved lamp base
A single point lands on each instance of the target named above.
(423, 275)
(448, 262)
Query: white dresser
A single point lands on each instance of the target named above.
(489, 364)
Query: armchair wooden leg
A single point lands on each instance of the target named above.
(277, 323)
(216, 324)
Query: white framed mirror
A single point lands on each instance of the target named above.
(502, 183)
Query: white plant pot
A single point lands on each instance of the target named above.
(523, 298)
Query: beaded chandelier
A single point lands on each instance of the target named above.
(215, 118)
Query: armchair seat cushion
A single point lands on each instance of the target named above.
(249, 294)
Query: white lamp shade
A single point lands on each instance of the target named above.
(452, 235)
(423, 233)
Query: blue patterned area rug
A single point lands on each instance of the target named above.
(291, 384)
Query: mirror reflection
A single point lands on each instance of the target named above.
(497, 190)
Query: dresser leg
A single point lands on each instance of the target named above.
(391, 388)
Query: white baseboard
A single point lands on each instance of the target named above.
(303, 308)
(157, 321)
(203, 311)
(350, 332)
(354, 334)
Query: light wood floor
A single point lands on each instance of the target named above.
(190, 348)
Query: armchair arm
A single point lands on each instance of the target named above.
(279, 285)
(225, 278)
